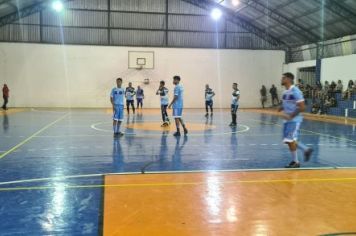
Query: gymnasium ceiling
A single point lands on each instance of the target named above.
(280, 22)
(296, 21)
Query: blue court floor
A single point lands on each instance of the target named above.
(45, 152)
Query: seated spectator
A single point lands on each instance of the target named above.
(339, 87)
(333, 102)
(327, 104)
(315, 108)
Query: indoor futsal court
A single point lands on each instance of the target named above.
(178, 117)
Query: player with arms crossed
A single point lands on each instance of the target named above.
(292, 106)
(234, 104)
(177, 104)
(163, 93)
(117, 100)
(209, 94)
(130, 94)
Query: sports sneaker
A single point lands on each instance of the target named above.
(116, 135)
(185, 131)
(121, 134)
(207, 114)
(293, 164)
(232, 124)
(307, 154)
(176, 134)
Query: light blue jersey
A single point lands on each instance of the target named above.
(118, 95)
(178, 91)
(290, 98)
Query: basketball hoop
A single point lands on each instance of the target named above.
(146, 81)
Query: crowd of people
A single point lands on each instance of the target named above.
(323, 96)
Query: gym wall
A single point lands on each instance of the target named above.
(42, 75)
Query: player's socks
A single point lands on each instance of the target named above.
(295, 156)
(118, 126)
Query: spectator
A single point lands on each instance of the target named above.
(326, 86)
(307, 91)
(332, 86)
(300, 84)
(333, 101)
(274, 94)
(331, 90)
(339, 87)
(315, 108)
(263, 92)
(350, 84)
(5, 96)
(349, 91)
(327, 105)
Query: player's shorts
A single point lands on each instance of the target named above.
(118, 113)
(129, 102)
(209, 103)
(177, 112)
(139, 99)
(291, 131)
(234, 108)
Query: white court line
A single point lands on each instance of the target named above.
(217, 159)
(169, 172)
(58, 112)
(246, 128)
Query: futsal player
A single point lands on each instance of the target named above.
(209, 94)
(130, 94)
(292, 106)
(234, 104)
(117, 101)
(177, 104)
(139, 97)
(163, 93)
